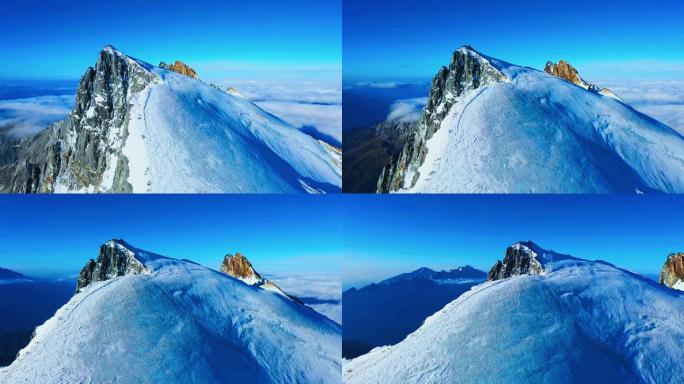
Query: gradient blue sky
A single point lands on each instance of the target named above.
(369, 237)
(395, 234)
(221, 39)
(56, 235)
(403, 39)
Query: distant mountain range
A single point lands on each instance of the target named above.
(26, 302)
(542, 317)
(136, 127)
(385, 313)
(490, 126)
(8, 274)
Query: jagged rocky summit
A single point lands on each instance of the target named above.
(239, 267)
(116, 258)
(565, 71)
(622, 328)
(180, 67)
(524, 258)
(467, 71)
(140, 128)
(672, 273)
(494, 127)
(148, 318)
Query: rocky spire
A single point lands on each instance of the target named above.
(83, 152)
(524, 258)
(116, 258)
(239, 267)
(468, 70)
(567, 72)
(179, 67)
(672, 273)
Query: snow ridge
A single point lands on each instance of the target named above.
(179, 322)
(622, 326)
(525, 131)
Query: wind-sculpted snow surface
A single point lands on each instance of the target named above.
(180, 322)
(531, 132)
(582, 322)
(214, 141)
(140, 128)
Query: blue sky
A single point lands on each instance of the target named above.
(221, 39)
(394, 234)
(369, 237)
(410, 40)
(56, 235)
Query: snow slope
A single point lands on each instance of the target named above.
(534, 132)
(180, 322)
(187, 136)
(583, 321)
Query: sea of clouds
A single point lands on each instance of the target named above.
(28, 116)
(312, 105)
(661, 99)
(322, 292)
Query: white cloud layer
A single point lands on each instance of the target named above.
(31, 115)
(315, 104)
(406, 110)
(322, 292)
(662, 100)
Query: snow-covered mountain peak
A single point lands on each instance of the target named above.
(457, 275)
(140, 128)
(116, 258)
(494, 127)
(672, 273)
(526, 258)
(468, 72)
(622, 328)
(163, 320)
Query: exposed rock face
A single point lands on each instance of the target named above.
(83, 152)
(115, 259)
(468, 70)
(520, 259)
(526, 258)
(565, 71)
(180, 67)
(369, 150)
(240, 268)
(672, 273)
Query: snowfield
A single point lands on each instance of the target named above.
(180, 322)
(581, 322)
(187, 136)
(534, 132)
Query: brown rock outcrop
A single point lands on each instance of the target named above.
(179, 67)
(673, 270)
(565, 71)
(239, 267)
